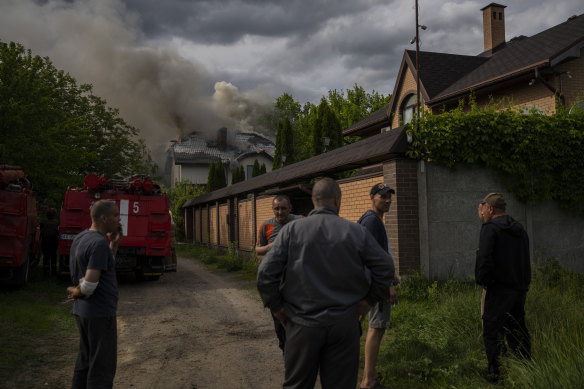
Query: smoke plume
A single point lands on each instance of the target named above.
(156, 89)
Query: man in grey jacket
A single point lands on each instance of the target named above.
(314, 281)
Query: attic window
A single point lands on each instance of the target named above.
(409, 108)
(494, 15)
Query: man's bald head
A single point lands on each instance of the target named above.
(326, 192)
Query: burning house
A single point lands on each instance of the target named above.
(190, 157)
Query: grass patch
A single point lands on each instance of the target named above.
(38, 335)
(436, 335)
(229, 261)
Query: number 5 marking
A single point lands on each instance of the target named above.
(136, 207)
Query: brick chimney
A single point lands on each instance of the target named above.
(222, 139)
(493, 25)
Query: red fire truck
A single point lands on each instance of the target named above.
(19, 233)
(144, 216)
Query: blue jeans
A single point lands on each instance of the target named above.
(98, 348)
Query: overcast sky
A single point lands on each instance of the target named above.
(189, 59)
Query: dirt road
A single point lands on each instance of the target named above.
(195, 329)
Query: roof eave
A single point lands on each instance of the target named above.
(487, 83)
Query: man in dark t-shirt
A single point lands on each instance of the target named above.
(268, 232)
(95, 296)
(379, 315)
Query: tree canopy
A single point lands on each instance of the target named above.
(57, 130)
(309, 124)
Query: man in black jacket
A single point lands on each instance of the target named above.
(503, 268)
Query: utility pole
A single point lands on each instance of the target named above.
(417, 66)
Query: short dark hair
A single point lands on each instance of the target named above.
(281, 197)
(325, 190)
(102, 207)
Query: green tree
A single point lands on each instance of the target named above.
(277, 163)
(236, 175)
(263, 169)
(58, 131)
(220, 178)
(211, 178)
(181, 192)
(326, 125)
(255, 170)
(284, 144)
(303, 132)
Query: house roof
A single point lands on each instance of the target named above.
(447, 77)
(196, 149)
(372, 123)
(518, 56)
(253, 153)
(365, 152)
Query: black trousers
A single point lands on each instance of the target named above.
(504, 319)
(333, 349)
(97, 358)
(49, 259)
(280, 333)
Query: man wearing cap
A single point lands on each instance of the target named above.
(503, 268)
(372, 220)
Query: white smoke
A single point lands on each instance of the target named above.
(156, 89)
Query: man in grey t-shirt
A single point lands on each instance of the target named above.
(95, 296)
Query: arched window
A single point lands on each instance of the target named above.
(409, 108)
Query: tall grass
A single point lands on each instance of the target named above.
(436, 335)
(38, 337)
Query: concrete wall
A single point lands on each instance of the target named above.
(449, 224)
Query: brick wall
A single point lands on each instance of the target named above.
(355, 197)
(213, 225)
(223, 225)
(408, 86)
(573, 88)
(402, 219)
(246, 234)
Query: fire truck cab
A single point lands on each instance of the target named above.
(19, 232)
(144, 216)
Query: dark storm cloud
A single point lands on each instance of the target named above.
(225, 22)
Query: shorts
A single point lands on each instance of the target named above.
(379, 315)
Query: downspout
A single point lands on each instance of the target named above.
(550, 87)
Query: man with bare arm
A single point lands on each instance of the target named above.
(95, 296)
(380, 195)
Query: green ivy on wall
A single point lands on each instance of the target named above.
(539, 157)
